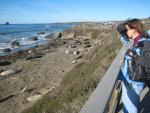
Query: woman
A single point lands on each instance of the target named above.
(131, 31)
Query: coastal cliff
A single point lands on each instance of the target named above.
(59, 76)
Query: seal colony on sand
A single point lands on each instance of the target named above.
(29, 74)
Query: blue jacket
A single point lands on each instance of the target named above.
(125, 66)
(125, 69)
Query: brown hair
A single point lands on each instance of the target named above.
(138, 26)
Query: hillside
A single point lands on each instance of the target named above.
(78, 84)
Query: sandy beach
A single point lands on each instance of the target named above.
(40, 75)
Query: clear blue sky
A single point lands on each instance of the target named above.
(47, 11)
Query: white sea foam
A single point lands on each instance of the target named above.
(5, 45)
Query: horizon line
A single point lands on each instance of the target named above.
(72, 21)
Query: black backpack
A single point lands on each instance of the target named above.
(139, 66)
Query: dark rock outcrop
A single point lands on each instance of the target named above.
(33, 38)
(59, 35)
(7, 23)
(15, 43)
(41, 33)
(7, 50)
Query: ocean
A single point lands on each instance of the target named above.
(23, 32)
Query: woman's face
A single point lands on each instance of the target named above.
(130, 32)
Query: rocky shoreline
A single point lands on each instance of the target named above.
(28, 75)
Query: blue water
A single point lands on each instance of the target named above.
(17, 31)
(21, 32)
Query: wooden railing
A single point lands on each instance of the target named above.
(106, 96)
